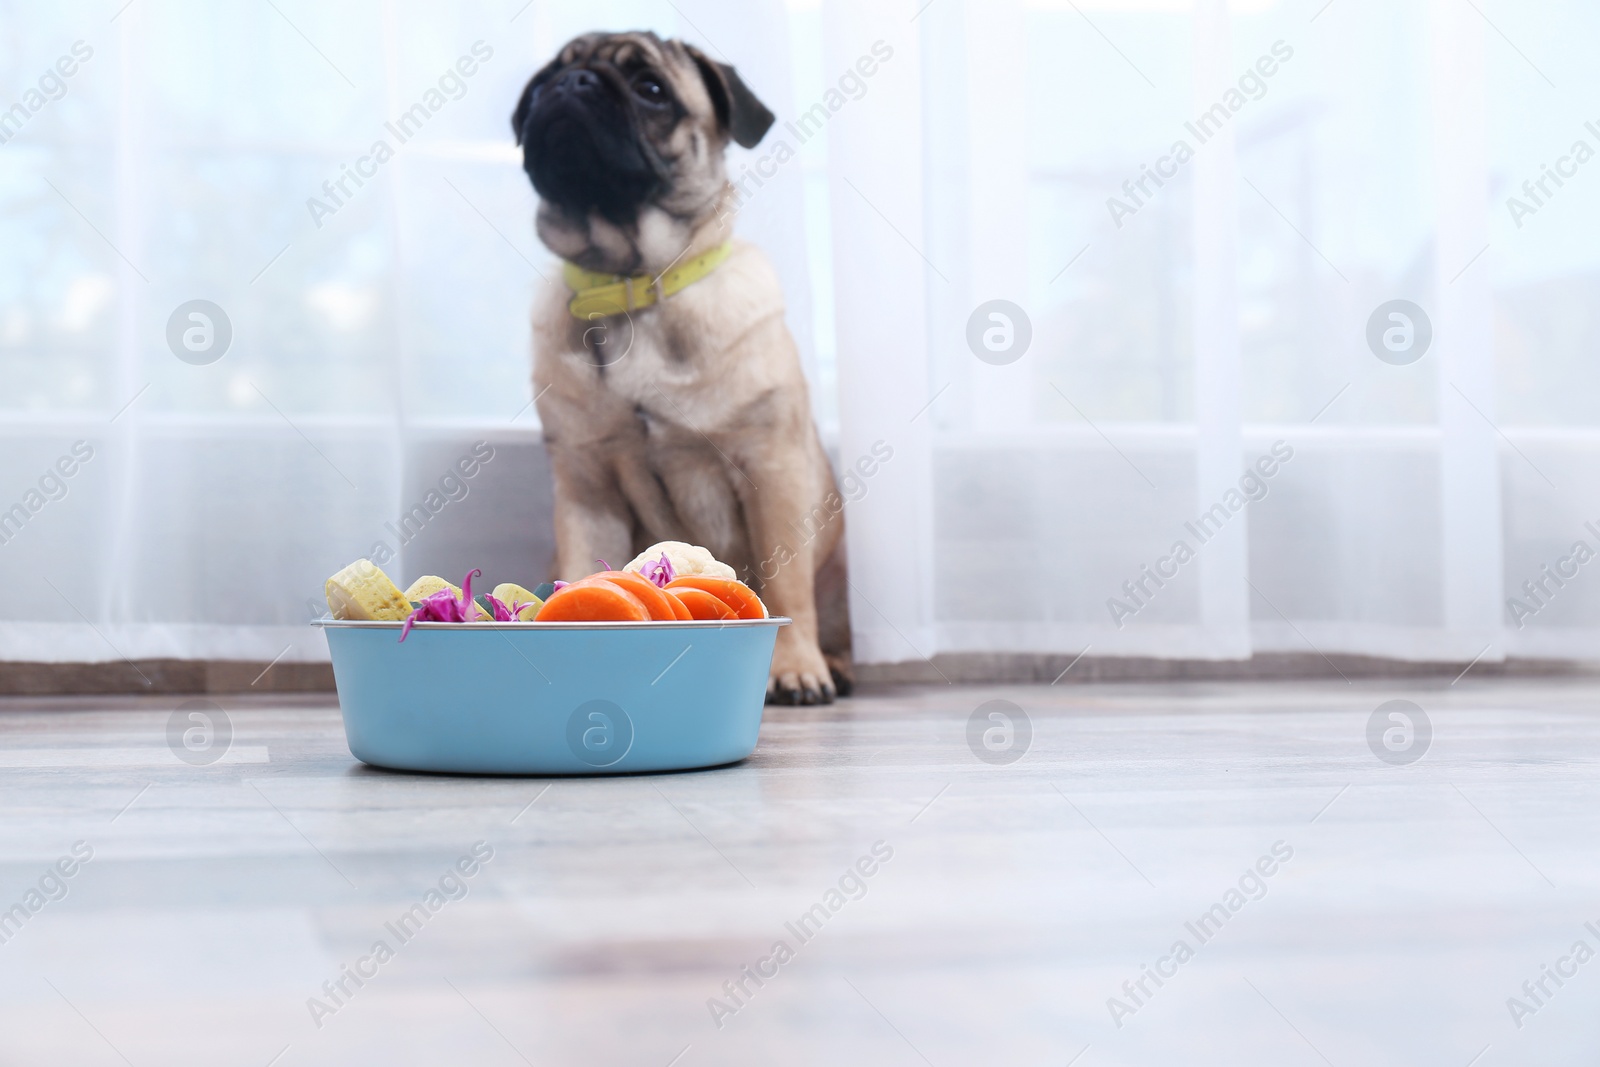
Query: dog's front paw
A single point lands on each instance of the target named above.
(799, 676)
(841, 667)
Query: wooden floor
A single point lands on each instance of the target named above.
(959, 911)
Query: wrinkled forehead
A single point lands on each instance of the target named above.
(623, 51)
(628, 53)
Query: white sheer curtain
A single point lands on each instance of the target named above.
(1365, 154)
(377, 339)
(945, 154)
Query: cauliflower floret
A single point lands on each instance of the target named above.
(685, 559)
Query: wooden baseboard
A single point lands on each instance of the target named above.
(163, 676)
(1032, 668)
(226, 676)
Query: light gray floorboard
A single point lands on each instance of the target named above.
(1017, 901)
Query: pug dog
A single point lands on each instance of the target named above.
(676, 412)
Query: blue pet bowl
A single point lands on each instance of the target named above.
(552, 698)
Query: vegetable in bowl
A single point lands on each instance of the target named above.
(669, 582)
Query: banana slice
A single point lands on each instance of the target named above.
(510, 593)
(428, 585)
(362, 591)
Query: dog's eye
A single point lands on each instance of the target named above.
(648, 88)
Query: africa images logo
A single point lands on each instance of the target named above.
(599, 733)
(1251, 85)
(452, 85)
(999, 732)
(199, 332)
(1399, 332)
(999, 332)
(1399, 732)
(199, 732)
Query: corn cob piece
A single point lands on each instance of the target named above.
(510, 593)
(362, 591)
(429, 584)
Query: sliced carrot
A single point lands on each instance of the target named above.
(738, 596)
(702, 605)
(593, 600)
(678, 606)
(655, 600)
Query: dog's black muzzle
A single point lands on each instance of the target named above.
(582, 149)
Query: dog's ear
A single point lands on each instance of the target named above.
(746, 119)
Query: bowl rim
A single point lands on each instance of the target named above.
(327, 622)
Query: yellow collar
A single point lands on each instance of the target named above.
(595, 295)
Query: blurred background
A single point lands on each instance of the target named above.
(1155, 341)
